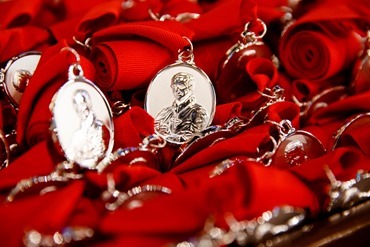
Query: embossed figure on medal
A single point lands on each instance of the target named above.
(88, 141)
(188, 100)
(185, 116)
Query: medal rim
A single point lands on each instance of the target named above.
(54, 126)
(236, 48)
(206, 79)
(339, 132)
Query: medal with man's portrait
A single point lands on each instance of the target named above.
(182, 101)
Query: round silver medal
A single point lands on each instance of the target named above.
(15, 76)
(82, 122)
(182, 100)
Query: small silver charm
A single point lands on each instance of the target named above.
(82, 124)
(15, 76)
(181, 99)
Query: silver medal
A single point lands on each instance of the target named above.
(15, 76)
(82, 122)
(182, 100)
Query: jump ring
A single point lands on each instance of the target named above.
(187, 55)
(246, 28)
(154, 141)
(86, 44)
(119, 107)
(75, 70)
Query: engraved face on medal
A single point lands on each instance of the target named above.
(16, 75)
(297, 148)
(82, 123)
(182, 100)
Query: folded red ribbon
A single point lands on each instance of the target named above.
(15, 41)
(257, 187)
(128, 64)
(114, 12)
(21, 13)
(245, 143)
(225, 18)
(321, 44)
(169, 34)
(317, 56)
(29, 164)
(126, 176)
(340, 110)
(124, 57)
(132, 127)
(284, 111)
(102, 15)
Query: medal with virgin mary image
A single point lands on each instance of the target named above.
(82, 123)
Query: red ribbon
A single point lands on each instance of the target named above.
(117, 65)
(15, 41)
(344, 163)
(20, 13)
(321, 43)
(340, 110)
